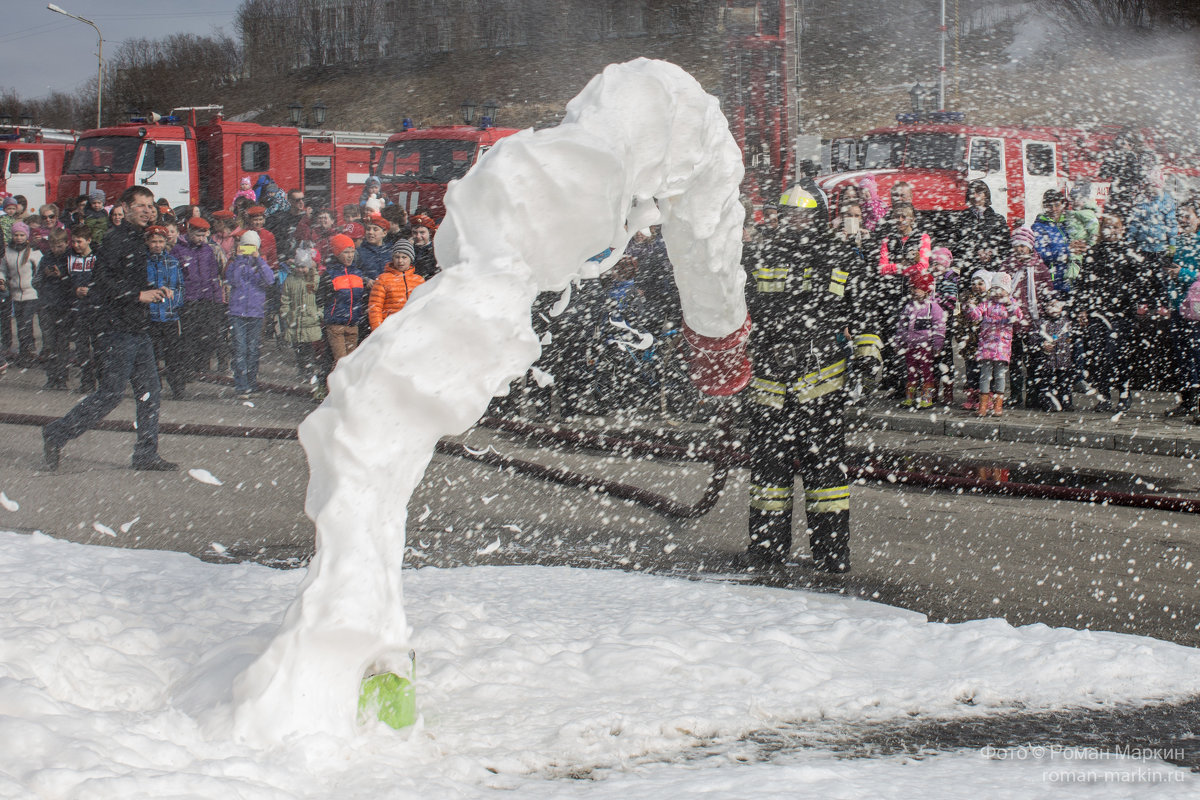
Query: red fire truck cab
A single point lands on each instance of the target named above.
(417, 164)
(188, 163)
(31, 163)
(1017, 164)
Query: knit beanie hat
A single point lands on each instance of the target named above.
(96, 194)
(1002, 280)
(406, 247)
(10, 201)
(20, 227)
(1024, 235)
(303, 258)
(941, 255)
(340, 242)
(422, 221)
(982, 275)
(921, 281)
(251, 238)
(245, 184)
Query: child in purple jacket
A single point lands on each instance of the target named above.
(996, 317)
(248, 276)
(920, 335)
(945, 294)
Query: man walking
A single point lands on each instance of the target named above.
(122, 295)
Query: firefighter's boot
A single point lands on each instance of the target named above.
(985, 404)
(829, 538)
(770, 539)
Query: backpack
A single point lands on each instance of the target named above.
(1190, 307)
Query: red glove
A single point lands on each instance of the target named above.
(719, 367)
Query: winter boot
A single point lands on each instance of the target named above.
(926, 396)
(770, 539)
(1187, 405)
(829, 538)
(972, 401)
(910, 396)
(985, 404)
(947, 393)
(997, 405)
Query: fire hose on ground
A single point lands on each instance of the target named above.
(667, 448)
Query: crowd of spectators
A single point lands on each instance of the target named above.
(315, 280)
(1078, 302)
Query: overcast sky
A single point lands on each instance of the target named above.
(46, 52)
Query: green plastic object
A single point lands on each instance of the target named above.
(390, 697)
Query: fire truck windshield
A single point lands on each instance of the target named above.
(884, 152)
(935, 151)
(105, 154)
(426, 160)
(914, 150)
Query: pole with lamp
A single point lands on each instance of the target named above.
(99, 56)
(297, 115)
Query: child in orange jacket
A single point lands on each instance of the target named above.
(393, 288)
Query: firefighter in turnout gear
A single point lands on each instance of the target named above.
(806, 342)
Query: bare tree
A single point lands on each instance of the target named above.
(1132, 13)
(182, 69)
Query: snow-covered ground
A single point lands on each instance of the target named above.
(115, 667)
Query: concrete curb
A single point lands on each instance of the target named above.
(1140, 436)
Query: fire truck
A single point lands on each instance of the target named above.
(418, 163)
(31, 162)
(1018, 164)
(761, 74)
(190, 163)
(761, 69)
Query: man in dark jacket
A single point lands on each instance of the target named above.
(1113, 289)
(122, 294)
(980, 236)
(290, 225)
(804, 303)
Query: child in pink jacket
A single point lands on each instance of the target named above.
(996, 317)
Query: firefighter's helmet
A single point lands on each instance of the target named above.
(797, 197)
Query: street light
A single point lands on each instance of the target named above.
(26, 119)
(490, 107)
(468, 109)
(5, 120)
(917, 95)
(296, 114)
(99, 56)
